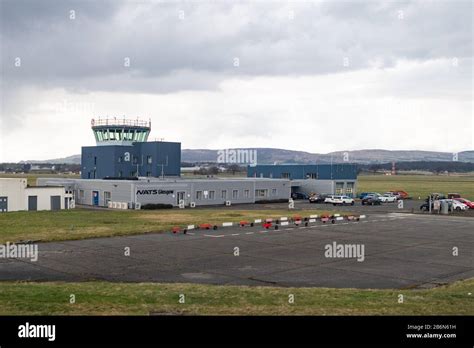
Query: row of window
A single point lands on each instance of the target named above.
(149, 159)
(235, 194)
(120, 134)
(288, 175)
(132, 174)
(340, 188)
(209, 194)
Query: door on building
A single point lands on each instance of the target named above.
(3, 204)
(180, 196)
(107, 198)
(350, 189)
(95, 197)
(55, 202)
(32, 203)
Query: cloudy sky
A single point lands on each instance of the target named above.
(311, 75)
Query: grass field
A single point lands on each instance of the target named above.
(88, 223)
(418, 185)
(31, 178)
(102, 298)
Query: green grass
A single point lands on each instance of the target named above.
(418, 185)
(31, 178)
(102, 298)
(89, 223)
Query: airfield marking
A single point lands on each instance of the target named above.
(304, 227)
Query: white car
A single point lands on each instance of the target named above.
(342, 200)
(388, 198)
(456, 205)
(391, 194)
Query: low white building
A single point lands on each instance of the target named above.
(16, 195)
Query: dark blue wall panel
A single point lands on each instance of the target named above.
(149, 158)
(297, 171)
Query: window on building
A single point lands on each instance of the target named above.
(81, 194)
(107, 197)
(246, 193)
(261, 193)
(149, 159)
(235, 194)
(198, 195)
(339, 188)
(285, 175)
(312, 175)
(132, 173)
(274, 192)
(212, 194)
(350, 189)
(148, 173)
(120, 173)
(95, 161)
(224, 194)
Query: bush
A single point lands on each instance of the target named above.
(266, 201)
(157, 206)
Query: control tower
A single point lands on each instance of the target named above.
(122, 151)
(115, 131)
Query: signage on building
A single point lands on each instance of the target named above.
(155, 192)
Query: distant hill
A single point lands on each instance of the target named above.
(74, 159)
(271, 156)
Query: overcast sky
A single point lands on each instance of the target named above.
(312, 76)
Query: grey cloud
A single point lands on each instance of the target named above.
(56, 51)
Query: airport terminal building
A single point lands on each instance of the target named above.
(126, 171)
(132, 194)
(338, 179)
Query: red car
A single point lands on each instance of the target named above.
(466, 202)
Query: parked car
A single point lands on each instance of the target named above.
(317, 198)
(453, 195)
(383, 199)
(387, 198)
(329, 199)
(299, 195)
(400, 194)
(425, 206)
(363, 194)
(455, 205)
(371, 200)
(434, 196)
(339, 200)
(466, 202)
